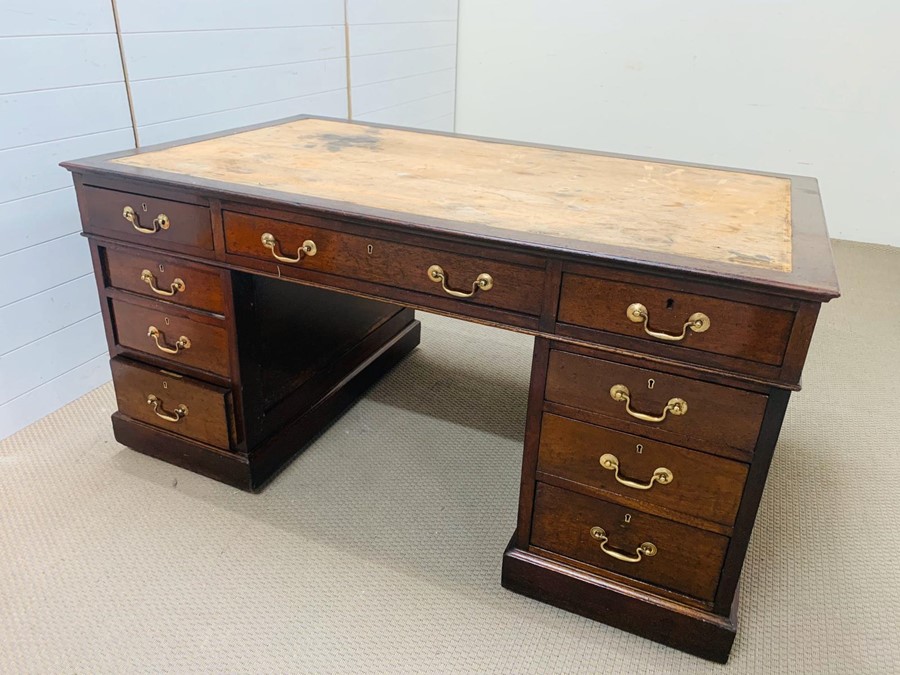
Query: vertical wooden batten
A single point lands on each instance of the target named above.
(456, 71)
(347, 60)
(134, 129)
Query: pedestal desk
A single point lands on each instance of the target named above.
(254, 283)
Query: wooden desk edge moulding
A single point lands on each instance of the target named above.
(254, 283)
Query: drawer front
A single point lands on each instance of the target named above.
(745, 331)
(517, 288)
(665, 475)
(173, 334)
(686, 560)
(714, 414)
(165, 278)
(177, 403)
(145, 220)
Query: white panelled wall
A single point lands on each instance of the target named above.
(193, 68)
(62, 95)
(198, 67)
(403, 62)
(809, 87)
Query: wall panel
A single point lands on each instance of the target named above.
(806, 87)
(231, 63)
(62, 96)
(403, 61)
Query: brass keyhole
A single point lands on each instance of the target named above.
(166, 319)
(627, 517)
(165, 385)
(162, 267)
(651, 383)
(639, 447)
(369, 249)
(144, 207)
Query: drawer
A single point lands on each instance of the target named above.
(174, 334)
(146, 220)
(631, 466)
(167, 278)
(730, 328)
(173, 402)
(714, 415)
(518, 288)
(600, 534)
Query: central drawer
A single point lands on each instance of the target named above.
(468, 278)
(611, 537)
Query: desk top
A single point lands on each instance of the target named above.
(728, 222)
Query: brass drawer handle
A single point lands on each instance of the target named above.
(307, 249)
(662, 475)
(182, 343)
(483, 282)
(161, 222)
(646, 549)
(676, 406)
(697, 322)
(176, 286)
(175, 416)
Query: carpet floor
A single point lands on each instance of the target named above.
(378, 550)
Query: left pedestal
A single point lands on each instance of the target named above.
(230, 375)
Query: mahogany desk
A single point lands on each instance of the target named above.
(672, 307)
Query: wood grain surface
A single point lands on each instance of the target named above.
(717, 416)
(189, 224)
(202, 285)
(515, 287)
(743, 330)
(708, 214)
(207, 419)
(208, 336)
(689, 560)
(703, 485)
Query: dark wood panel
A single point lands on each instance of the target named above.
(585, 382)
(140, 271)
(533, 418)
(165, 222)
(190, 454)
(698, 484)
(206, 345)
(756, 483)
(742, 330)
(293, 340)
(207, 417)
(687, 560)
(621, 605)
(274, 455)
(515, 287)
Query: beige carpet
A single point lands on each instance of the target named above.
(379, 549)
